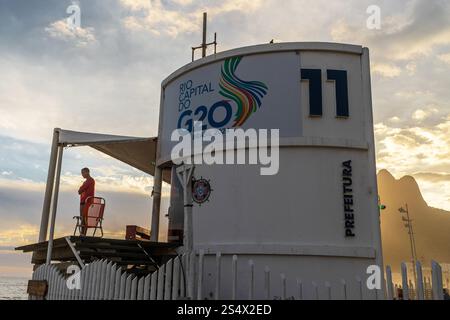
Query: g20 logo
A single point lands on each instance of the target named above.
(246, 95)
(217, 116)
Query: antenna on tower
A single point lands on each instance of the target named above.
(205, 45)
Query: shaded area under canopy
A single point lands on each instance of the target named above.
(138, 152)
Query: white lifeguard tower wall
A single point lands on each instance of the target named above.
(294, 221)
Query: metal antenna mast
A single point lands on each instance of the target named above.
(412, 241)
(205, 45)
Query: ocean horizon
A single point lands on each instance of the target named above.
(13, 288)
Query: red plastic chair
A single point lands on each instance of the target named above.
(92, 216)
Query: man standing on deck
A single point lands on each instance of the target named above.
(86, 190)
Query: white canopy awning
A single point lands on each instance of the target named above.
(140, 153)
(137, 152)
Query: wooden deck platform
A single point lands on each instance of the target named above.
(123, 252)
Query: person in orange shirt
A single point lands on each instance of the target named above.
(86, 190)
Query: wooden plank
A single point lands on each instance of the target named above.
(437, 285)
(153, 285)
(58, 254)
(389, 285)
(117, 283)
(128, 287)
(103, 275)
(160, 292)
(147, 287)
(90, 247)
(61, 242)
(176, 279)
(100, 254)
(419, 281)
(133, 288)
(77, 239)
(183, 280)
(404, 273)
(166, 251)
(45, 273)
(59, 286)
(63, 288)
(66, 291)
(132, 262)
(95, 280)
(77, 295)
(106, 246)
(105, 290)
(91, 280)
(140, 289)
(51, 284)
(37, 288)
(112, 283)
(56, 282)
(134, 232)
(191, 276)
(123, 280)
(84, 281)
(168, 280)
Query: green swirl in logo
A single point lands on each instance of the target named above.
(247, 94)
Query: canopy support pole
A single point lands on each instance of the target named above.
(184, 174)
(157, 185)
(54, 206)
(49, 187)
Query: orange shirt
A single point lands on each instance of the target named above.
(87, 189)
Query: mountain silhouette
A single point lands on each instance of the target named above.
(431, 225)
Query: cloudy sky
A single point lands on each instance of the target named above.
(105, 77)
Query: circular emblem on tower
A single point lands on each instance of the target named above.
(201, 190)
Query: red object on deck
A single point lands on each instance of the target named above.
(92, 216)
(137, 233)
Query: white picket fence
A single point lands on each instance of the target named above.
(423, 288)
(182, 278)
